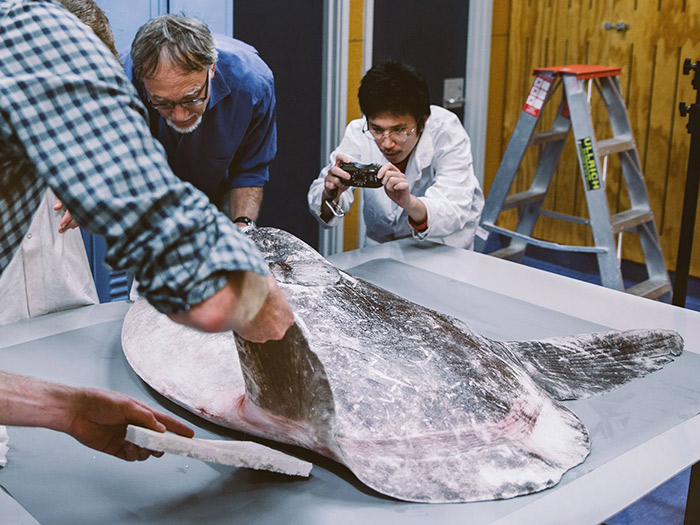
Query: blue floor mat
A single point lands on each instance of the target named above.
(664, 505)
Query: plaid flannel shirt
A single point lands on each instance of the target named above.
(70, 118)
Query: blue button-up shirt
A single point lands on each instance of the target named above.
(237, 138)
(70, 119)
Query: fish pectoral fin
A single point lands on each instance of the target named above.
(581, 366)
(287, 379)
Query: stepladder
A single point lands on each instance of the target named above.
(574, 114)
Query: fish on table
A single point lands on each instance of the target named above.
(416, 404)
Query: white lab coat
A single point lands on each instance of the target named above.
(439, 172)
(48, 272)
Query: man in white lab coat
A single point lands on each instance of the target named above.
(429, 189)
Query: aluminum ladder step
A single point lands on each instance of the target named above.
(542, 243)
(614, 145)
(630, 219)
(522, 198)
(551, 135)
(651, 288)
(512, 252)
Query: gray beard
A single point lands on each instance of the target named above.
(188, 129)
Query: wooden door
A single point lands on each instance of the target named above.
(651, 49)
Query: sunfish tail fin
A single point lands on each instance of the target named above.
(581, 366)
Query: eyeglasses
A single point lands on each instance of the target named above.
(398, 137)
(186, 104)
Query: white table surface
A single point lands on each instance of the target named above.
(588, 496)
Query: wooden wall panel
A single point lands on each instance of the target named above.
(497, 84)
(355, 73)
(661, 35)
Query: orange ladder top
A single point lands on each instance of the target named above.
(582, 71)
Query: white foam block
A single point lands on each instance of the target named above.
(245, 454)
(4, 438)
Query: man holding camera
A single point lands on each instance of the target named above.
(429, 187)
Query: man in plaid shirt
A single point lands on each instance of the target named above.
(70, 119)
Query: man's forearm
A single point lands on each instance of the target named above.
(231, 308)
(245, 202)
(27, 401)
(251, 305)
(416, 210)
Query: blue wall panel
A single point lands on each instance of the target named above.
(218, 14)
(126, 16)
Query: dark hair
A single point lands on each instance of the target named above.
(186, 42)
(393, 87)
(90, 14)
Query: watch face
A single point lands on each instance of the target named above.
(245, 220)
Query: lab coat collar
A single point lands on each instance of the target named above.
(422, 155)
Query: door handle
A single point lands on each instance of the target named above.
(620, 27)
(453, 93)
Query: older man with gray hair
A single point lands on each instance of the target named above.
(211, 104)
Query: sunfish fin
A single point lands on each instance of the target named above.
(285, 378)
(581, 366)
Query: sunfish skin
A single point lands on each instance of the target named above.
(413, 402)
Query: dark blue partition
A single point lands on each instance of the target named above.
(289, 37)
(431, 36)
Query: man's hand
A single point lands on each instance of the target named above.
(336, 180)
(398, 190)
(98, 419)
(273, 319)
(250, 304)
(395, 184)
(67, 221)
(334, 184)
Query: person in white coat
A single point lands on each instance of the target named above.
(50, 271)
(429, 189)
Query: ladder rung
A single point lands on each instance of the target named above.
(541, 243)
(651, 288)
(551, 135)
(522, 198)
(565, 217)
(509, 252)
(630, 219)
(614, 145)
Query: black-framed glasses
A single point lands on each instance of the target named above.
(398, 136)
(193, 103)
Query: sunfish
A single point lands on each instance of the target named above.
(418, 406)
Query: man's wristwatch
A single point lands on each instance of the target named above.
(246, 220)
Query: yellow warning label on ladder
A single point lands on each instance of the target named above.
(590, 168)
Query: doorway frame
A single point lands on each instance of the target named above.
(336, 42)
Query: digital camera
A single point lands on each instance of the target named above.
(362, 175)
